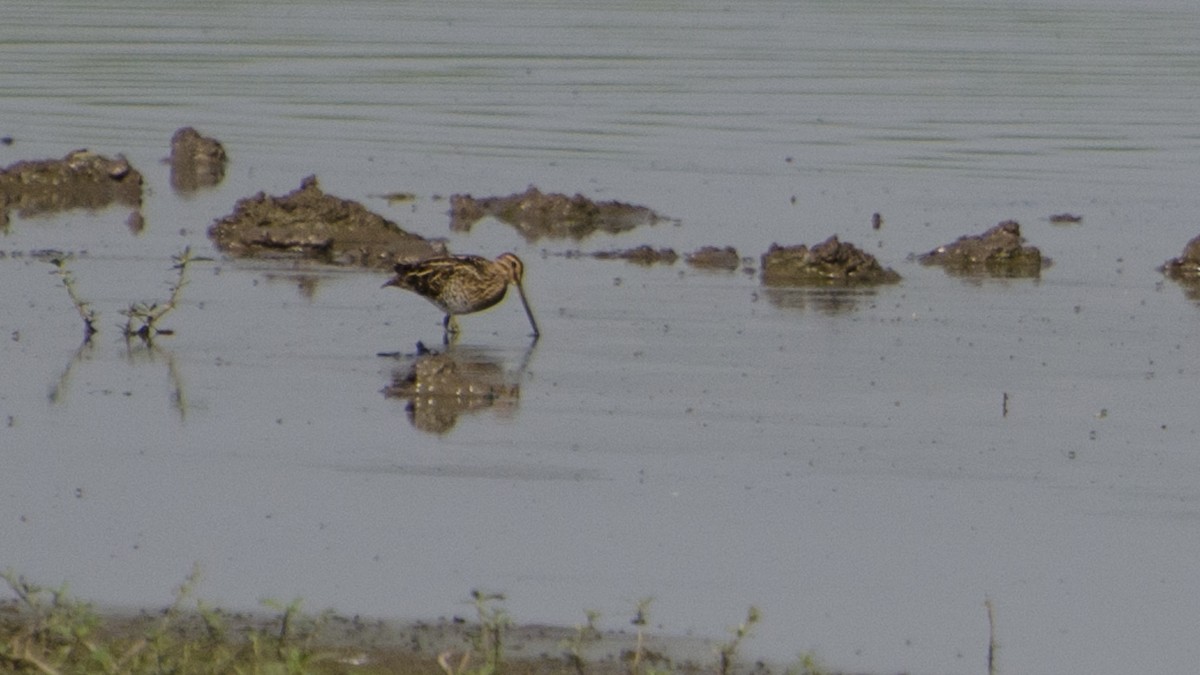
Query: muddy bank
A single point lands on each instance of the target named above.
(1186, 269)
(361, 644)
(644, 255)
(998, 252)
(196, 161)
(80, 180)
(307, 223)
(535, 214)
(1187, 266)
(714, 258)
(830, 263)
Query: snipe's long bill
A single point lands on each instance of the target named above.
(464, 284)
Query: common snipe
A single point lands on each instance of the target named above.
(463, 284)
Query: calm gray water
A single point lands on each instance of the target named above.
(678, 434)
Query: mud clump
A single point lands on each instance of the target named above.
(81, 180)
(1185, 268)
(830, 263)
(640, 255)
(713, 258)
(999, 252)
(307, 223)
(1066, 219)
(196, 161)
(535, 214)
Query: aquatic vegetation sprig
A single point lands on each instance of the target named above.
(993, 646)
(54, 626)
(147, 315)
(584, 633)
(493, 623)
(640, 658)
(728, 650)
(91, 318)
(46, 631)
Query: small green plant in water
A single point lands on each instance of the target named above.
(487, 642)
(584, 634)
(808, 664)
(142, 317)
(91, 318)
(641, 658)
(45, 631)
(728, 651)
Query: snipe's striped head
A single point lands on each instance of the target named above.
(514, 269)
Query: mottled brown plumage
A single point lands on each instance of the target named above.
(463, 284)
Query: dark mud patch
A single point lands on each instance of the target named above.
(1066, 219)
(644, 255)
(196, 161)
(830, 263)
(307, 223)
(1186, 269)
(80, 180)
(714, 258)
(535, 214)
(998, 252)
(441, 387)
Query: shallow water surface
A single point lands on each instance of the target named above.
(843, 460)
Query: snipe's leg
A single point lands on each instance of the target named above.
(450, 329)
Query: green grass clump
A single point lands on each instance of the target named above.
(43, 630)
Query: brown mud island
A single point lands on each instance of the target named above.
(714, 258)
(706, 257)
(307, 223)
(80, 180)
(1185, 270)
(196, 161)
(998, 252)
(830, 263)
(535, 214)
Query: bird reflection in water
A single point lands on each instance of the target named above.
(441, 386)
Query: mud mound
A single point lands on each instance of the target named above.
(555, 216)
(1185, 268)
(999, 252)
(714, 258)
(829, 263)
(307, 223)
(196, 161)
(643, 255)
(81, 180)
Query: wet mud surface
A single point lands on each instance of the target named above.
(536, 215)
(998, 252)
(196, 161)
(80, 180)
(829, 263)
(307, 223)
